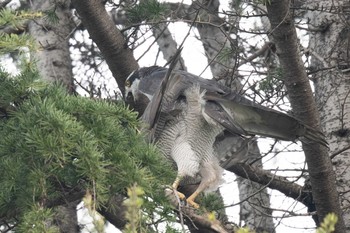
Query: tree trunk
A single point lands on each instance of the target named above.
(329, 48)
(53, 58)
(66, 217)
(167, 44)
(108, 39)
(54, 64)
(297, 84)
(253, 211)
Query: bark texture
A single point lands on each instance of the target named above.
(53, 58)
(329, 48)
(114, 211)
(167, 44)
(215, 42)
(108, 39)
(322, 176)
(66, 217)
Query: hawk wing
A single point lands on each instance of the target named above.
(232, 111)
(159, 109)
(258, 120)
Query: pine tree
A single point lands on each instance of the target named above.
(56, 147)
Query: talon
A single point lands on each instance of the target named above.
(181, 195)
(190, 199)
(175, 185)
(192, 203)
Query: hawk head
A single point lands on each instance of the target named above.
(141, 85)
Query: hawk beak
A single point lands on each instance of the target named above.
(129, 97)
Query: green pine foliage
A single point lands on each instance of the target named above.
(36, 220)
(133, 212)
(244, 230)
(53, 144)
(211, 202)
(328, 224)
(14, 42)
(51, 16)
(226, 54)
(149, 10)
(16, 19)
(273, 84)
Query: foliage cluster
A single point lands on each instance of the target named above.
(16, 19)
(133, 213)
(149, 10)
(54, 144)
(273, 84)
(328, 224)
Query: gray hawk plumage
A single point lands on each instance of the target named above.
(186, 113)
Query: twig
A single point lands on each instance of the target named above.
(256, 192)
(339, 151)
(261, 51)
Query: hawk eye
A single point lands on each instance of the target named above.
(127, 83)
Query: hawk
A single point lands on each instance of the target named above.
(185, 114)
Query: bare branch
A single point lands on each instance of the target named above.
(272, 181)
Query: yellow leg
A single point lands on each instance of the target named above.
(190, 199)
(176, 182)
(176, 185)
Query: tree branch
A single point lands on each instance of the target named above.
(322, 176)
(107, 38)
(272, 181)
(204, 222)
(114, 211)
